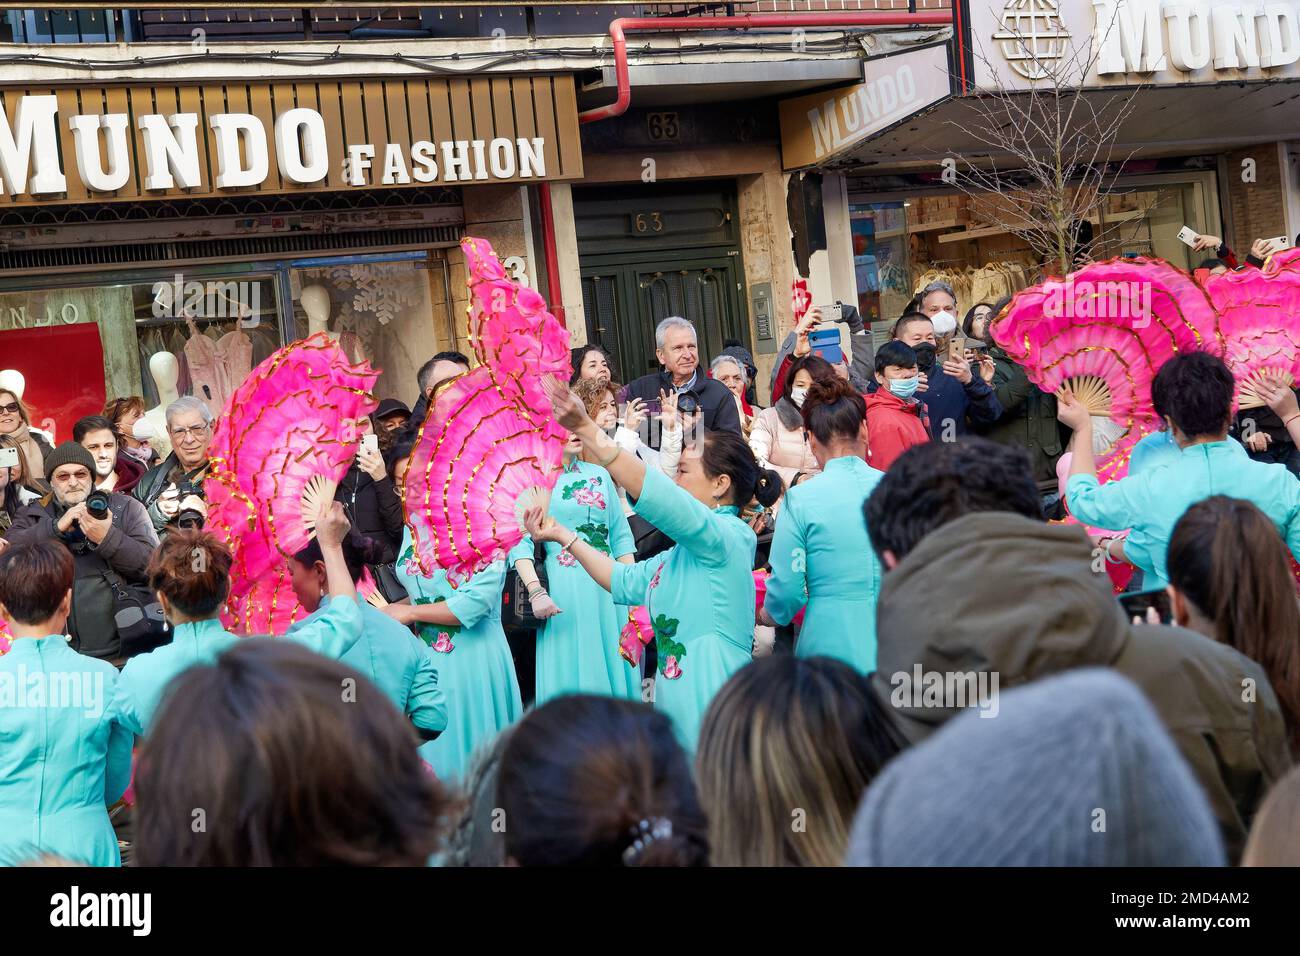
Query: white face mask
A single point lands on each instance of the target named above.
(797, 395)
(944, 322)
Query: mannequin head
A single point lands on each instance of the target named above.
(166, 372)
(12, 380)
(315, 301)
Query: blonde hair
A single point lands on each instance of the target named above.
(786, 750)
(591, 392)
(1275, 835)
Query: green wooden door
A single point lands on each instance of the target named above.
(649, 252)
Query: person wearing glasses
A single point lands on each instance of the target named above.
(173, 490)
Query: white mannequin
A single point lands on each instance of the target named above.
(315, 300)
(166, 371)
(12, 380)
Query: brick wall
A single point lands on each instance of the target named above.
(1256, 209)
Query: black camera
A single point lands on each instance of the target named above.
(688, 403)
(97, 504)
(189, 519)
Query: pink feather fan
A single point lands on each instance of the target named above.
(289, 427)
(1259, 322)
(488, 446)
(1104, 331)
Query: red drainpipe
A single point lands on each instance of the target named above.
(617, 33)
(618, 29)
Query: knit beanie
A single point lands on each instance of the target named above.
(1074, 770)
(69, 453)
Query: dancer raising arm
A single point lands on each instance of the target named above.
(700, 593)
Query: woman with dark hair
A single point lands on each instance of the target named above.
(461, 625)
(397, 661)
(789, 738)
(286, 768)
(578, 638)
(700, 593)
(590, 361)
(15, 424)
(190, 573)
(594, 781)
(817, 556)
(778, 439)
(1229, 579)
(62, 760)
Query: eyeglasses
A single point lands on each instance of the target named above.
(194, 431)
(8, 409)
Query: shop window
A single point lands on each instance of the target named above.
(390, 313)
(880, 263)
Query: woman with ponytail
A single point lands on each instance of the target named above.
(1231, 581)
(597, 781)
(399, 663)
(820, 555)
(700, 593)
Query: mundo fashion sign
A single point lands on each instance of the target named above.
(1019, 42)
(128, 143)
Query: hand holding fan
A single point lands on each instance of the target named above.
(1103, 332)
(287, 436)
(1259, 323)
(488, 449)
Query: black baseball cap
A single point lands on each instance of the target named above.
(391, 406)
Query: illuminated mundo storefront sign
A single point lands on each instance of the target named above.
(1148, 36)
(170, 155)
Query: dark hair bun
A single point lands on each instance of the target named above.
(769, 487)
(827, 391)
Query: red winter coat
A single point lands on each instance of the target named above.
(893, 426)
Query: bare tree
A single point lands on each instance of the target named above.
(1050, 150)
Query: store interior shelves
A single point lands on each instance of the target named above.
(1111, 219)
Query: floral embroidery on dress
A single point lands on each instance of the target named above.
(565, 560)
(654, 581)
(670, 650)
(586, 492)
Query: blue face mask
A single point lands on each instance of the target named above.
(904, 387)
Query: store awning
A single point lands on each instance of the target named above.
(1165, 121)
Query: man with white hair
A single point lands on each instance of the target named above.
(677, 349)
(173, 490)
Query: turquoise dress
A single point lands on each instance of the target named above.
(1152, 501)
(146, 677)
(821, 556)
(1159, 448)
(65, 755)
(700, 598)
(474, 665)
(577, 651)
(399, 663)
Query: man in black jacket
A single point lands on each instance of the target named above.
(440, 368)
(119, 544)
(678, 352)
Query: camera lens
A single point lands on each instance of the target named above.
(97, 505)
(687, 404)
